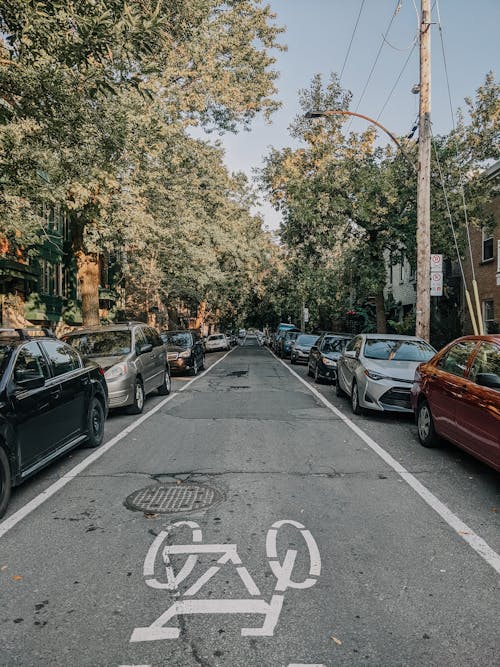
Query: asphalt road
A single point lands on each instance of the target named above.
(316, 550)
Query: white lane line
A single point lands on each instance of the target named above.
(462, 529)
(32, 505)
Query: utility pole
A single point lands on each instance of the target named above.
(423, 178)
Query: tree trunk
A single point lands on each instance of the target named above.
(201, 314)
(380, 311)
(88, 280)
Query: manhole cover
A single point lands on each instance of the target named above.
(171, 498)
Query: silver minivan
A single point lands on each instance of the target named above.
(133, 357)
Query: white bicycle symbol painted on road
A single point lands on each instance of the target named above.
(228, 554)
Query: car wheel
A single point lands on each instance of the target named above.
(5, 481)
(95, 423)
(202, 366)
(317, 377)
(355, 406)
(164, 389)
(293, 360)
(194, 370)
(138, 405)
(425, 425)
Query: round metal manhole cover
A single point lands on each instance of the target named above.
(172, 498)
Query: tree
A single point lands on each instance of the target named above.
(68, 69)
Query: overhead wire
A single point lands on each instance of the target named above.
(352, 39)
(452, 114)
(384, 37)
(461, 181)
(405, 64)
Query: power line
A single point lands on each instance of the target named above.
(384, 37)
(352, 39)
(397, 81)
(460, 173)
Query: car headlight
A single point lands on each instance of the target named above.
(116, 371)
(185, 354)
(375, 376)
(328, 362)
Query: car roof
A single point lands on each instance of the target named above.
(488, 338)
(119, 326)
(376, 336)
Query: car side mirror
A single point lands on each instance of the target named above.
(491, 380)
(144, 349)
(350, 354)
(27, 380)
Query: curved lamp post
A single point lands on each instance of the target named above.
(342, 112)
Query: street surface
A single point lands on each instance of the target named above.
(315, 551)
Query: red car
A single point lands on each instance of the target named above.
(456, 395)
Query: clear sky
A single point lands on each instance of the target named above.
(318, 34)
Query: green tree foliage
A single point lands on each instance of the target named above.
(349, 206)
(94, 94)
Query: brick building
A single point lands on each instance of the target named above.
(485, 246)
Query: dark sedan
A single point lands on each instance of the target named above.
(301, 347)
(51, 400)
(323, 358)
(456, 395)
(185, 351)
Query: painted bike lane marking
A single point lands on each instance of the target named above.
(33, 504)
(480, 546)
(159, 574)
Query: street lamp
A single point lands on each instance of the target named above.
(343, 112)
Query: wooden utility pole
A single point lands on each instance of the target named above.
(423, 186)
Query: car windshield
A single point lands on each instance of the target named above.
(388, 349)
(306, 340)
(334, 344)
(102, 343)
(177, 339)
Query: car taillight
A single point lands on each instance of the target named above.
(101, 371)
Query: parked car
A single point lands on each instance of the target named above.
(324, 356)
(232, 337)
(301, 348)
(51, 400)
(134, 358)
(456, 395)
(217, 342)
(285, 343)
(377, 370)
(185, 352)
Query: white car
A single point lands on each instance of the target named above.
(376, 371)
(217, 342)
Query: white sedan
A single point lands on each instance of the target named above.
(377, 371)
(217, 342)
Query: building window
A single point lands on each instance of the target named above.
(487, 246)
(488, 315)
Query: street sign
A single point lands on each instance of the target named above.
(436, 263)
(436, 283)
(306, 314)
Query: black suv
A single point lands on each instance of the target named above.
(185, 351)
(50, 401)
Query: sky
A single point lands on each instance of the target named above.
(317, 35)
